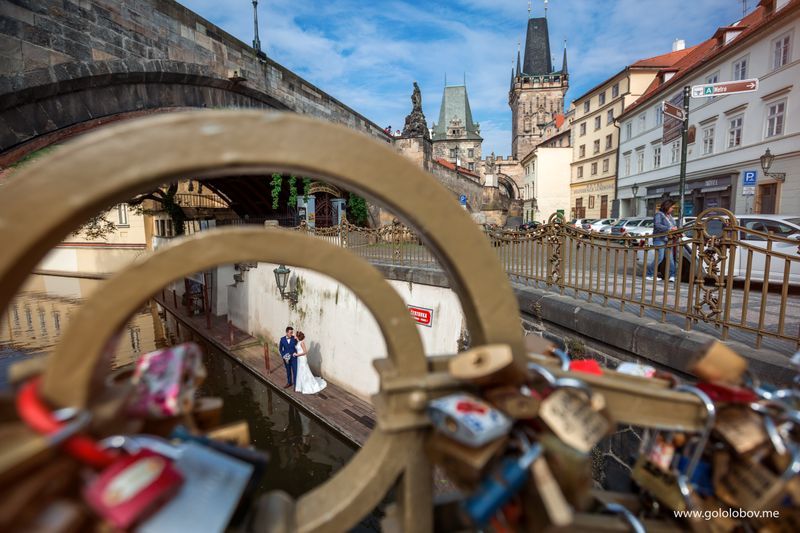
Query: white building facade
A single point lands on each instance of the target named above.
(546, 182)
(727, 134)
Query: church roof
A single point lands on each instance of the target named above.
(537, 48)
(455, 105)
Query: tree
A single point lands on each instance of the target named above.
(165, 196)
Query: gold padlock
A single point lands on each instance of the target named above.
(493, 364)
(237, 433)
(518, 403)
(207, 412)
(572, 469)
(546, 506)
(719, 363)
(740, 428)
(578, 420)
(464, 465)
(752, 485)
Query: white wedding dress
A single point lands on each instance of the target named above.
(305, 381)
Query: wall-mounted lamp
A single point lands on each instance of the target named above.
(766, 163)
(282, 279)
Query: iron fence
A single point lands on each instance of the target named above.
(727, 276)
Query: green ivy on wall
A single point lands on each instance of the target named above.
(277, 180)
(357, 212)
(292, 192)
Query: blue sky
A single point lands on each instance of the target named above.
(367, 53)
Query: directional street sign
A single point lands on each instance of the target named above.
(749, 178)
(672, 126)
(463, 199)
(728, 87)
(674, 111)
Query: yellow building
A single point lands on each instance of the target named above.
(596, 134)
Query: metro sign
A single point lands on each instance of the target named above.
(721, 89)
(421, 315)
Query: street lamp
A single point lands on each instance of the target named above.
(282, 279)
(635, 191)
(766, 163)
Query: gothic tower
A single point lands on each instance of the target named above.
(537, 92)
(456, 137)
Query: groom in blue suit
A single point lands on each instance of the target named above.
(287, 347)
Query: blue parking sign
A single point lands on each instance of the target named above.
(749, 177)
(463, 199)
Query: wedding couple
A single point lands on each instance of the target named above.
(295, 360)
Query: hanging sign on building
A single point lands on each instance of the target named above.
(421, 315)
(671, 128)
(720, 89)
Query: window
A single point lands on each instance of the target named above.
(122, 214)
(628, 130)
(453, 153)
(609, 116)
(580, 171)
(675, 154)
(601, 98)
(714, 78)
(780, 51)
(615, 90)
(640, 161)
(608, 142)
(596, 146)
(605, 165)
(628, 165)
(591, 202)
(582, 150)
(471, 166)
(775, 118)
(587, 106)
(657, 157)
(740, 69)
(594, 168)
(659, 111)
(642, 123)
(735, 131)
(583, 129)
(471, 152)
(597, 123)
(708, 140)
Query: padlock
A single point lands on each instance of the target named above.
(519, 403)
(575, 414)
(502, 484)
(724, 393)
(468, 419)
(464, 465)
(213, 486)
(545, 503)
(132, 488)
(493, 364)
(207, 412)
(752, 485)
(741, 428)
(536, 344)
(671, 486)
(718, 363)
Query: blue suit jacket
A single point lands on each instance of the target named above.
(287, 346)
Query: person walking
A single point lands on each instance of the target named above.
(663, 222)
(288, 348)
(305, 381)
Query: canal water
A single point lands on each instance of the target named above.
(303, 452)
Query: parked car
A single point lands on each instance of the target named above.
(579, 222)
(625, 225)
(529, 225)
(596, 225)
(786, 226)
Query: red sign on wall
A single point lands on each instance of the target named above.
(421, 315)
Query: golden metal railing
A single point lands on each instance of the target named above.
(719, 278)
(209, 201)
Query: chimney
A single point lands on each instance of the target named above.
(678, 44)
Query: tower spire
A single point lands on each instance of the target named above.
(256, 40)
(545, 8)
(529, 8)
(518, 61)
(564, 62)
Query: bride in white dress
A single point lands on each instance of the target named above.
(305, 381)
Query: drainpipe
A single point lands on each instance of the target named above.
(616, 169)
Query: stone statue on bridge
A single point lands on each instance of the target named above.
(416, 125)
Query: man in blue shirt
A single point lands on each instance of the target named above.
(287, 348)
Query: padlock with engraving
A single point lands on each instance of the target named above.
(502, 484)
(575, 414)
(572, 469)
(672, 486)
(468, 419)
(519, 403)
(753, 485)
(464, 465)
(741, 428)
(493, 364)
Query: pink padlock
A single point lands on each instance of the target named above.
(165, 381)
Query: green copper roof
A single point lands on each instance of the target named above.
(455, 105)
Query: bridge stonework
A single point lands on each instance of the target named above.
(69, 63)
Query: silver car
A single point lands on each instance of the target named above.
(596, 226)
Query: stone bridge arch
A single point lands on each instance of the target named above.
(509, 186)
(48, 104)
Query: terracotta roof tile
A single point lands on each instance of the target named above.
(664, 60)
(452, 166)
